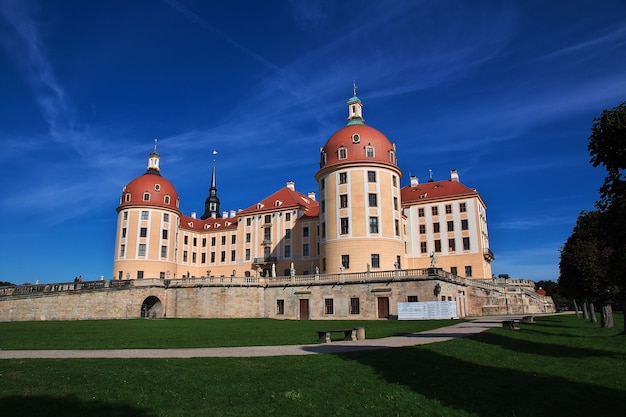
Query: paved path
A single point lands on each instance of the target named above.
(431, 336)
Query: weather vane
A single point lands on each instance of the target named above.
(354, 87)
(155, 144)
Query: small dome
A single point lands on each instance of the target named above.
(357, 143)
(150, 189)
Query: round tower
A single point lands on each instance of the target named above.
(359, 188)
(147, 226)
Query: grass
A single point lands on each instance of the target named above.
(188, 333)
(559, 366)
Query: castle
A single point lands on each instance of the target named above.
(360, 247)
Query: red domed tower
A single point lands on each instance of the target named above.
(359, 188)
(147, 226)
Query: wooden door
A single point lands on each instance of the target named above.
(383, 307)
(304, 309)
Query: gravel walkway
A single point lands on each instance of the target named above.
(431, 336)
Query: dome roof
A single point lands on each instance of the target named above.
(358, 142)
(150, 189)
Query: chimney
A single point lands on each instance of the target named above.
(233, 213)
(414, 181)
(225, 214)
(312, 195)
(291, 185)
(193, 214)
(454, 175)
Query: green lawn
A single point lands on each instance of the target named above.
(189, 333)
(559, 366)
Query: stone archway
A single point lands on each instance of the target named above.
(152, 308)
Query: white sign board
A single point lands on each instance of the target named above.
(427, 310)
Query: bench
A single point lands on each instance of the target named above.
(323, 336)
(509, 324)
(528, 319)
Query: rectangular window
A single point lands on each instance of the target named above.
(323, 229)
(139, 274)
(204, 242)
(142, 249)
(287, 217)
(420, 212)
(184, 256)
(305, 249)
(232, 256)
(343, 177)
(287, 233)
(268, 218)
(125, 215)
(451, 245)
(323, 183)
(435, 210)
(453, 270)
(466, 243)
(280, 307)
(247, 237)
(468, 271)
(423, 247)
(143, 232)
(166, 217)
(212, 257)
(394, 180)
(372, 200)
(163, 251)
(437, 245)
(247, 254)
(267, 233)
(344, 226)
(122, 250)
(223, 241)
(233, 239)
(355, 306)
(450, 226)
(185, 240)
(422, 229)
(375, 260)
(448, 208)
(411, 299)
(193, 257)
(464, 224)
(323, 264)
(248, 221)
(195, 241)
(343, 200)
(395, 203)
(369, 151)
(397, 227)
(371, 176)
(123, 232)
(287, 251)
(223, 256)
(323, 206)
(213, 241)
(144, 215)
(462, 207)
(329, 307)
(435, 227)
(373, 224)
(343, 153)
(203, 257)
(305, 232)
(345, 261)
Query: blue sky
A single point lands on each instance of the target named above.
(503, 91)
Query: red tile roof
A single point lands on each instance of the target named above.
(208, 225)
(435, 190)
(282, 199)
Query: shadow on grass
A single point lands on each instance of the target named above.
(68, 406)
(487, 390)
(516, 345)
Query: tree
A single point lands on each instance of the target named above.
(584, 265)
(607, 147)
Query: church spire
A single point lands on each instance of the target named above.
(212, 202)
(355, 108)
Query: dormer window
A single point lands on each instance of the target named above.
(392, 157)
(369, 151)
(157, 187)
(166, 199)
(127, 197)
(146, 196)
(343, 153)
(356, 138)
